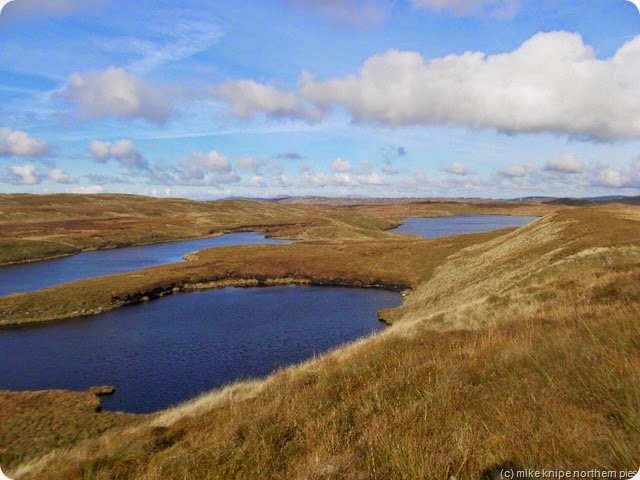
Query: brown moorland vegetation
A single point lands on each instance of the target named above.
(35, 423)
(34, 227)
(521, 350)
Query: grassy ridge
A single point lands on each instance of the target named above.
(521, 351)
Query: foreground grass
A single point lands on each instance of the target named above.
(523, 350)
(34, 423)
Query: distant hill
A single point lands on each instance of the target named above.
(577, 202)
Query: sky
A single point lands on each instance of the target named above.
(381, 98)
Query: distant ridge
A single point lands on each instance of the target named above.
(575, 202)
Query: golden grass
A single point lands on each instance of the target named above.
(34, 227)
(34, 423)
(522, 351)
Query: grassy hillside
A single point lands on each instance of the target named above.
(520, 351)
(34, 227)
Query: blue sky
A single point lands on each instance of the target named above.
(473, 98)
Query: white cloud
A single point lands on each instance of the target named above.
(198, 169)
(113, 92)
(199, 164)
(342, 179)
(567, 162)
(494, 8)
(418, 179)
(23, 175)
(340, 165)
(257, 181)
(357, 13)
(518, 171)
(123, 151)
(60, 176)
(611, 177)
(247, 98)
(280, 181)
(20, 144)
(457, 169)
(89, 190)
(552, 83)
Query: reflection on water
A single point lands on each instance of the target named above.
(456, 225)
(34, 276)
(173, 348)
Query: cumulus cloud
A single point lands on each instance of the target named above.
(122, 151)
(257, 181)
(418, 179)
(280, 181)
(60, 176)
(357, 13)
(342, 179)
(246, 98)
(552, 83)
(494, 8)
(340, 165)
(457, 169)
(567, 162)
(113, 92)
(197, 169)
(520, 170)
(612, 177)
(23, 175)
(15, 143)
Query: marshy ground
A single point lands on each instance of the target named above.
(517, 347)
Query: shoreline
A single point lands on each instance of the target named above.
(136, 244)
(256, 282)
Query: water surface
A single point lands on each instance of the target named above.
(26, 277)
(173, 348)
(458, 224)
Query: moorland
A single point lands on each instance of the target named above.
(513, 349)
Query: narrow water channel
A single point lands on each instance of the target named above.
(26, 277)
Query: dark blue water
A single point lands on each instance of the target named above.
(456, 225)
(34, 276)
(171, 349)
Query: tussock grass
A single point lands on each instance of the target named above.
(521, 351)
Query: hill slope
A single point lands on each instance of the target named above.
(521, 352)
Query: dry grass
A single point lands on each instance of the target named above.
(34, 423)
(41, 226)
(521, 351)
